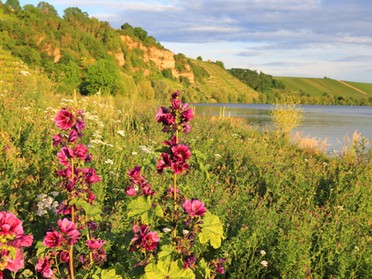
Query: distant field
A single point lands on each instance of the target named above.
(316, 87)
(366, 87)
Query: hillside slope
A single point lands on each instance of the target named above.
(222, 87)
(326, 88)
(81, 53)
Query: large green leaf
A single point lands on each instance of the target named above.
(106, 274)
(93, 211)
(212, 230)
(141, 207)
(168, 269)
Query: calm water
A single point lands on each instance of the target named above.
(334, 123)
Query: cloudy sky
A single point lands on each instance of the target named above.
(309, 38)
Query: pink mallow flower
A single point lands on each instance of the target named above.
(150, 241)
(68, 229)
(90, 175)
(43, 266)
(95, 244)
(64, 155)
(188, 114)
(53, 239)
(194, 208)
(81, 151)
(180, 152)
(12, 238)
(64, 119)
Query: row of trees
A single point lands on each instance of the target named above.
(260, 82)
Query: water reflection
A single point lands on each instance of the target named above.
(334, 123)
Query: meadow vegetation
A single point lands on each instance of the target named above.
(286, 212)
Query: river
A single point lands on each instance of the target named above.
(335, 124)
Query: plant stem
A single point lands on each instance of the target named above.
(71, 252)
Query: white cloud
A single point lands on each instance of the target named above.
(261, 34)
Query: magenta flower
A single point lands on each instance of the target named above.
(179, 167)
(135, 173)
(64, 256)
(15, 264)
(150, 241)
(64, 155)
(181, 152)
(188, 114)
(53, 239)
(189, 262)
(90, 175)
(130, 191)
(81, 151)
(176, 104)
(68, 229)
(73, 136)
(57, 139)
(43, 266)
(64, 119)
(194, 208)
(95, 244)
(80, 124)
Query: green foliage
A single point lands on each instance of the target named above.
(104, 77)
(180, 62)
(220, 64)
(309, 213)
(258, 81)
(287, 117)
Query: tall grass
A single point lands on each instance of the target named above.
(287, 213)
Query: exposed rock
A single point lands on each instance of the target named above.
(162, 58)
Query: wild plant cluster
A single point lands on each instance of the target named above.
(103, 188)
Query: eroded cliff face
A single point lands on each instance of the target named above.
(162, 58)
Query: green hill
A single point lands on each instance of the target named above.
(80, 53)
(326, 90)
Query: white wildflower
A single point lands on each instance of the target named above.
(121, 132)
(217, 156)
(263, 252)
(166, 230)
(134, 153)
(41, 196)
(146, 149)
(54, 193)
(264, 263)
(109, 161)
(185, 232)
(97, 135)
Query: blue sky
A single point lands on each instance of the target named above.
(309, 38)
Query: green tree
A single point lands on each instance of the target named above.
(12, 6)
(47, 9)
(103, 76)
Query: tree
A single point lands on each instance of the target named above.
(220, 63)
(104, 77)
(140, 33)
(12, 6)
(47, 9)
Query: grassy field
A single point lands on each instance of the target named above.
(286, 212)
(220, 82)
(318, 86)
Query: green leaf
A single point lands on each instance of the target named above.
(109, 274)
(141, 207)
(166, 252)
(159, 211)
(40, 248)
(106, 274)
(93, 211)
(204, 269)
(212, 230)
(168, 269)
